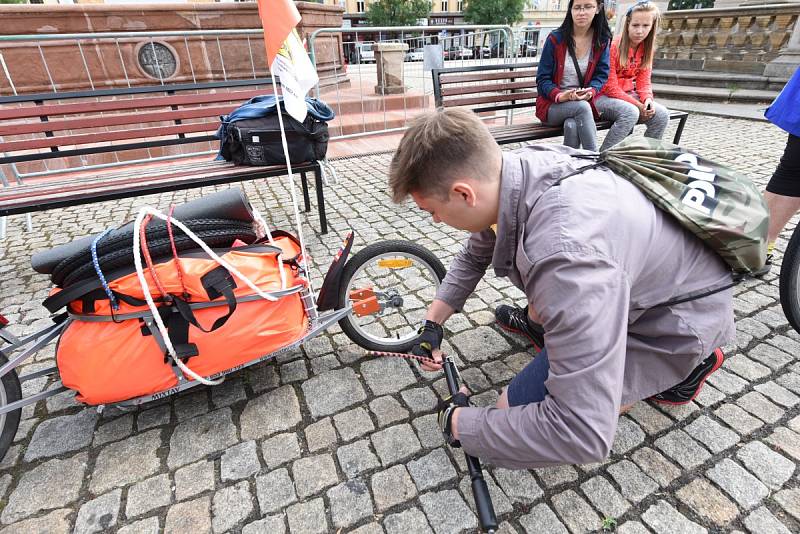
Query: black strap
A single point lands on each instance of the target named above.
(178, 331)
(217, 283)
(571, 49)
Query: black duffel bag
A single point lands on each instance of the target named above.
(251, 135)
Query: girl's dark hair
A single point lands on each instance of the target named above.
(602, 32)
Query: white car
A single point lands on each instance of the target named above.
(465, 53)
(414, 54)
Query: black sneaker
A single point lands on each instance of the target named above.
(514, 319)
(765, 269)
(687, 390)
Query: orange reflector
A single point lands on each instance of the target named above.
(361, 294)
(366, 307)
(397, 263)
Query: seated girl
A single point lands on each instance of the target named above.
(572, 71)
(627, 97)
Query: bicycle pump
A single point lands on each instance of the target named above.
(480, 491)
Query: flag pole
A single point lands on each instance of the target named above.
(292, 189)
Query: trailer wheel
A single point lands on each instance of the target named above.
(10, 391)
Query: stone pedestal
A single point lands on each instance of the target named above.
(788, 60)
(389, 58)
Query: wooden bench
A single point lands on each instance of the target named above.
(72, 148)
(488, 89)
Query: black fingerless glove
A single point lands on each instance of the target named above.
(430, 339)
(446, 407)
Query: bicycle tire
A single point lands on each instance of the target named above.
(11, 392)
(352, 267)
(124, 239)
(789, 281)
(161, 248)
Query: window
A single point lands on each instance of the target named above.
(360, 6)
(460, 5)
(557, 5)
(445, 6)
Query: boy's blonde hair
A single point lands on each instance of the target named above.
(649, 41)
(437, 147)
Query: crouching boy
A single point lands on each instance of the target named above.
(597, 262)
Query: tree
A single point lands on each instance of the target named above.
(397, 12)
(494, 11)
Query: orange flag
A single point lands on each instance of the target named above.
(286, 56)
(278, 18)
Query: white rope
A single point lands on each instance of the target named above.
(292, 189)
(262, 230)
(137, 262)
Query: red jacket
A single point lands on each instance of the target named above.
(621, 79)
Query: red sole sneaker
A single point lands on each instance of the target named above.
(520, 333)
(717, 364)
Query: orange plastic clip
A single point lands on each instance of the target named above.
(364, 301)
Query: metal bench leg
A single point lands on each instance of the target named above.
(2, 228)
(306, 199)
(323, 221)
(679, 132)
(29, 222)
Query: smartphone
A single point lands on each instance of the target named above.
(582, 91)
(649, 106)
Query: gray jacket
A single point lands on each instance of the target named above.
(594, 257)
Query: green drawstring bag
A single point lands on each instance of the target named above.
(719, 205)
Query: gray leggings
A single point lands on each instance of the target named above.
(625, 116)
(578, 120)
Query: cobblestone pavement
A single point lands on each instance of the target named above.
(248, 456)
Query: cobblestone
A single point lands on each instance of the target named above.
(447, 512)
(683, 449)
(738, 419)
(99, 515)
(385, 376)
(392, 486)
(147, 495)
(313, 474)
(231, 506)
(275, 490)
(60, 435)
(575, 512)
(767, 465)
(191, 516)
(194, 479)
(656, 466)
(520, 486)
(761, 521)
(738, 483)
(350, 502)
(431, 470)
(665, 519)
(320, 435)
(542, 519)
(604, 497)
(387, 411)
(275, 411)
(634, 484)
(239, 461)
(353, 424)
(711, 434)
(789, 499)
(307, 517)
(356, 458)
(412, 520)
(785, 441)
(708, 501)
(395, 444)
(280, 449)
(333, 391)
(758, 405)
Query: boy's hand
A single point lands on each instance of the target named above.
(429, 343)
(446, 407)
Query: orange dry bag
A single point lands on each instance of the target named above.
(215, 322)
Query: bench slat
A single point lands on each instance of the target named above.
(127, 104)
(114, 120)
(477, 100)
(446, 79)
(471, 89)
(105, 137)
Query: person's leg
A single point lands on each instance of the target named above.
(623, 114)
(657, 124)
(783, 189)
(587, 129)
(528, 386)
(690, 387)
(568, 114)
(571, 138)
